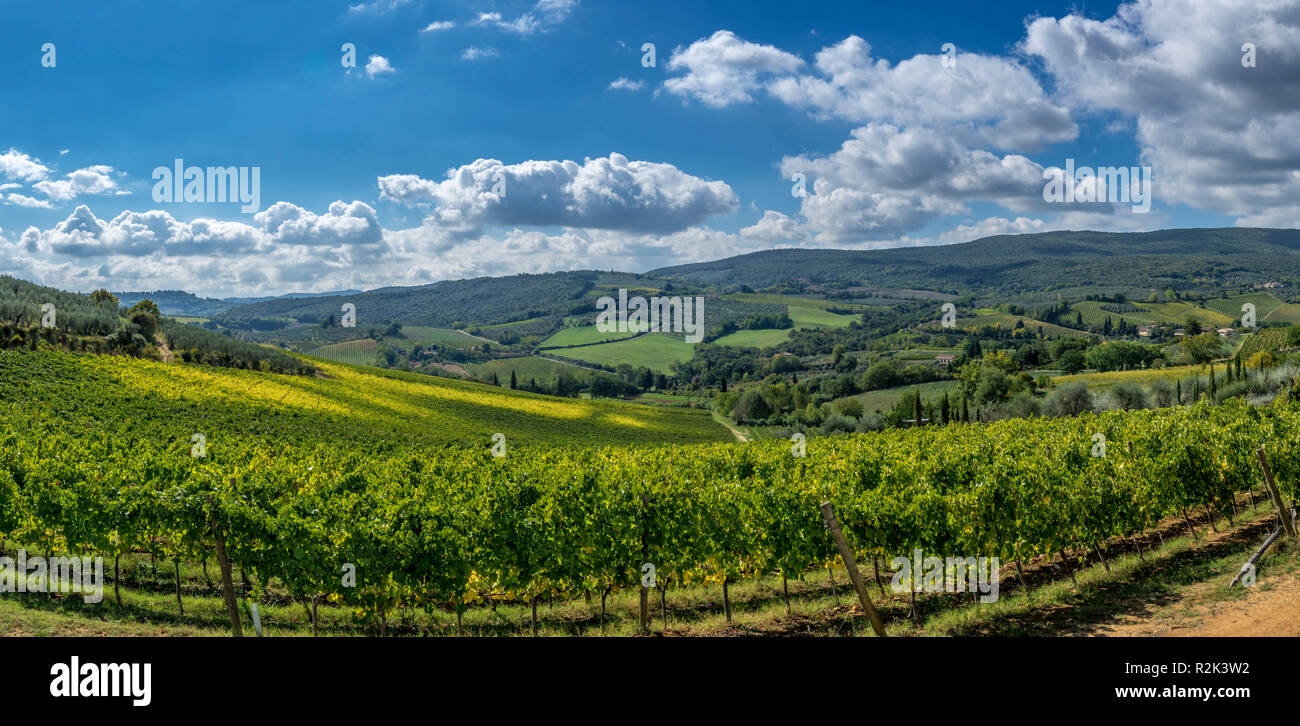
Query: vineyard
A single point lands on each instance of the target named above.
(1267, 340)
(425, 526)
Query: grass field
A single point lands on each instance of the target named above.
(656, 351)
(582, 335)
(755, 338)
(362, 352)
(810, 317)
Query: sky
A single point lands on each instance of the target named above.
(402, 142)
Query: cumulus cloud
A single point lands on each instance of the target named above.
(775, 229)
(378, 66)
(1219, 136)
(601, 193)
(91, 180)
(437, 25)
(23, 200)
(17, 165)
(933, 136)
(723, 69)
(980, 99)
(887, 181)
(343, 224)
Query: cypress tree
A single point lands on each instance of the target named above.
(513, 383)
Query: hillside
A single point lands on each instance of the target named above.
(1185, 259)
(484, 300)
(187, 304)
(379, 409)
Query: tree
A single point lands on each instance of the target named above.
(1261, 360)
(1193, 327)
(1072, 361)
(1202, 348)
(514, 383)
(751, 407)
(146, 315)
(101, 296)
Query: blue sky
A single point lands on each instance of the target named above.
(693, 158)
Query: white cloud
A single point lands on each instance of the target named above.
(723, 69)
(91, 180)
(378, 66)
(474, 53)
(17, 165)
(23, 200)
(378, 7)
(624, 84)
(1218, 136)
(602, 193)
(981, 99)
(438, 25)
(545, 13)
(774, 229)
(343, 224)
(885, 181)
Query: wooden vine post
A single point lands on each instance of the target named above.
(1288, 525)
(828, 514)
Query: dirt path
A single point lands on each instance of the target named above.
(163, 351)
(1272, 608)
(741, 437)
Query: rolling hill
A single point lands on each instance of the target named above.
(1007, 265)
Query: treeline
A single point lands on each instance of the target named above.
(196, 345)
